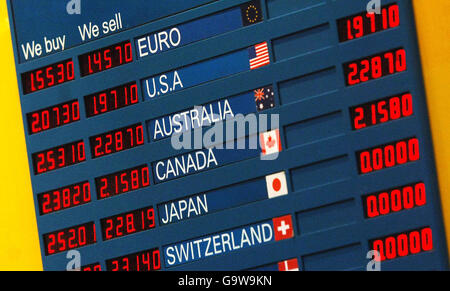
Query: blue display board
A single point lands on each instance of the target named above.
(345, 164)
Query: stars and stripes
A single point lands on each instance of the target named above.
(259, 55)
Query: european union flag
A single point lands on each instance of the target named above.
(251, 12)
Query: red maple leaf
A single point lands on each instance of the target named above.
(270, 142)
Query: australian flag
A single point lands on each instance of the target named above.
(264, 98)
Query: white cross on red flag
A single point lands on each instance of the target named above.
(283, 227)
(288, 265)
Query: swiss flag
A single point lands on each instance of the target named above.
(283, 228)
(288, 265)
(270, 142)
(276, 185)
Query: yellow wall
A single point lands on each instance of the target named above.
(433, 25)
(19, 246)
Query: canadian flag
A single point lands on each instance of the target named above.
(276, 185)
(288, 265)
(270, 142)
(283, 228)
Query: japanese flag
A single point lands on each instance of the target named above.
(270, 142)
(288, 265)
(276, 185)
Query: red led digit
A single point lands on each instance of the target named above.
(381, 111)
(64, 198)
(365, 67)
(50, 77)
(149, 260)
(127, 223)
(377, 71)
(51, 243)
(373, 23)
(119, 53)
(57, 201)
(45, 204)
(111, 99)
(394, 200)
(391, 250)
(133, 94)
(96, 267)
(389, 56)
(121, 182)
(47, 77)
(52, 117)
(126, 264)
(50, 159)
(414, 241)
(97, 61)
(156, 260)
(403, 244)
(117, 140)
(384, 113)
(69, 238)
(45, 120)
(61, 73)
(408, 197)
(128, 53)
(58, 157)
(358, 122)
(400, 60)
(375, 67)
(363, 24)
(70, 71)
(426, 239)
(72, 237)
(76, 195)
(105, 58)
(353, 71)
(40, 80)
(420, 194)
(389, 155)
(103, 107)
(358, 25)
(124, 181)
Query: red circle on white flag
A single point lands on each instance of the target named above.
(276, 184)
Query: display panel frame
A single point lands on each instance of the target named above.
(347, 52)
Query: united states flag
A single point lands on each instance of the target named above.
(259, 56)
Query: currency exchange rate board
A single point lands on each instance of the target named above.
(125, 104)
